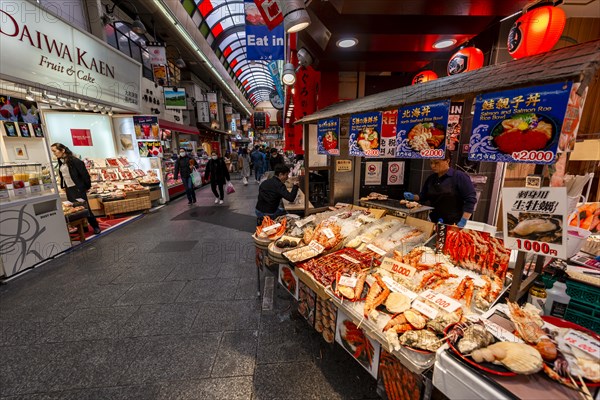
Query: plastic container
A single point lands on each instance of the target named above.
(557, 300)
(6, 174)
(576, 237)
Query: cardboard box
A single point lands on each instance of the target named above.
(377, 212)
(426, 226)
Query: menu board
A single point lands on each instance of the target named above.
(146, 127)
(365, 130)
(150, 149)
(328, 137)
(421, 130)
(535, 220)
(521, 125)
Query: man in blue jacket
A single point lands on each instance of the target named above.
(258, 162)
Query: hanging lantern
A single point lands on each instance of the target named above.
(424, 76)
(537, 31)
(464, 60)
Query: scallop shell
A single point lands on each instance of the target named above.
(520, 358)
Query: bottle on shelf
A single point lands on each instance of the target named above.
(557, 299)
(537, 294)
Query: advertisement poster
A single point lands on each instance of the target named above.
(213, 106)
(175, 98)
(570, 127)
(146, 127)
(389, 120)
(157, 52)
(353, 339)
(274, 70)
(365, 130)
(373, 172)
(10, 129)
(150, 149)
(328, 137)
(521, 125)
(37, 130)
(422, 130)
(262, 43)
(289, 280)
(82, 137)
(24, 129)
(14, 109)
(395, 174)
(454, 125)
(269, 9)
(534, 220)
(161, 74)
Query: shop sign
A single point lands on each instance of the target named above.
(161, 74)
(373, 172)
(343, 165)
(203, 111)
(535, 220)
(262, 43)
(521, 125)
(274, 70)
(395, 174)
(365, 132)
(37, 44)
(328, 136)
(389, 120)
(157, 52)
(146, 127)
(454, 125)
(150, 149)
(422, 130)
(82, 137)
(269, 9)
(572, 118)
(306, 92)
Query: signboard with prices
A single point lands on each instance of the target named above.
(328, 137)
(365, 131)
(421, 131)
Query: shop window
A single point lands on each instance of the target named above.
(123, 43)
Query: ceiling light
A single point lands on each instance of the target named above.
(110, 113)
(347, 42)
(29, 95)
(444, 43)
(304, 57)
(295, 16)
(75, 105)
(138, 27)
(289, 74)
(103, 110)
(86, 106)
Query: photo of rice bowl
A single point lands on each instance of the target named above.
(524, 132)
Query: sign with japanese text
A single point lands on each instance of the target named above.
(82, 137)
(454, 125)
(269, 9)
(373, 172)
(343, 165)
(306, 91)
(389, 120)
(535, 220)
(274, 70)
(157, 52)
(421, 130)
(328, 137)
(365, 131)
(521, 125)
(262, 43)
(146, 127)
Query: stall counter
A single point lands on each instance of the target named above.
(394, 208)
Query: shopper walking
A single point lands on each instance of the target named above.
(258, 161)
(184, 166)
(275, 159)
(270, 193)
(74, 179)
(244, 164)
(234, 161)
(217, 173)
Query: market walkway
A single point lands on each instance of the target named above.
(165, 308)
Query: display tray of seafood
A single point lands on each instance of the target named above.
(270, 230)
(326, 268)
(513, 340)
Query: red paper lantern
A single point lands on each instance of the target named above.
(537, 31)
(424, 76)
(464, 60)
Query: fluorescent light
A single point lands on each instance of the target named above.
(29, 95)
(444, 43)
(510, 16)
(347, 42)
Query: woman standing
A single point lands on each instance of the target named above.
(74, 179)
(184, 166)
(217, 173)
(244, 161)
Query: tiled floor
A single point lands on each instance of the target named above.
(165, 308)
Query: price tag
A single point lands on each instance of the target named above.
(376, 249)
(583, 342)
(424, 309)
(347, 257)
(397, 267)
(120, 186)
(48, 186)
(35, 189)
(349, 281)
(20, 192)
(271, 228)
(305, 221)
(441, 300)
(342, 205)
(398, 288)
(316, 247)
(501, 333)
(4, 194)
(329, 233)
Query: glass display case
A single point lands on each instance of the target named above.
(21, 181)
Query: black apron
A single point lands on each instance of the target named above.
(446, 201)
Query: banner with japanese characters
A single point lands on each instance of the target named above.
(328, 137)
(262, 43)
(521, 125)
(421, 130)
(365, 131)
(389, 120)
(535, 220)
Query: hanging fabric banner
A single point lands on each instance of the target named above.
(261, 42)
(274, 69)
(269, 9)
(305, 92)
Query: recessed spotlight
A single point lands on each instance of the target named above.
(347, 42)
(444, 43)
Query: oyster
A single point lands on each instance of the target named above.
(475, 337)
(536, 226)
(442, 321)
(424, 339)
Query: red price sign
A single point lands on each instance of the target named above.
(535, 247)
(397, 267)
(372, 153)
(530, 155)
